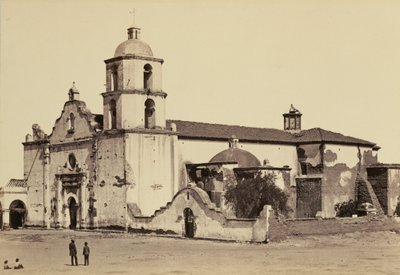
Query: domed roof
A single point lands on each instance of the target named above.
(242, 157)
(133, 46)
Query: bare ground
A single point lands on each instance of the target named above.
(46, 252)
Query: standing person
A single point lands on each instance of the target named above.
(86, 252)
(72, 252)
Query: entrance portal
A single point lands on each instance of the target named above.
(73, 210)
(190, 225)
(17, 214)
(308, 197)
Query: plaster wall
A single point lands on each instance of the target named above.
(341, 165)
(33, 173)
(151, 159)
(210, 224)
(133, 74)
(132, 108)
(110, 188)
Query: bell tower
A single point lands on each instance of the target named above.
(134, 97)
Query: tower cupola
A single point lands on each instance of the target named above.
(292, 120)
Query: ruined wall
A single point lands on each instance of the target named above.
(33, 172)
(110, 189)
(310, 159)
(210, 224)
(341, 165)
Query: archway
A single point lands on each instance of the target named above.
(73, 211)
(17, 214)
(190, 225)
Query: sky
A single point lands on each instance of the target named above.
(231, 62)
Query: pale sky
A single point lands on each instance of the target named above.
(232, 62)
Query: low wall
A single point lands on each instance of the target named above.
(210, 223)
(281, 229)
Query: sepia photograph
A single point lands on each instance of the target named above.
(200, 137)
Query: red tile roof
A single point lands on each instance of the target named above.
(201, 130)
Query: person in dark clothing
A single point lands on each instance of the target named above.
(72, 252)
(86, 252)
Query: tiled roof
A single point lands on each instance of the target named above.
(201, 130)
(16, 183)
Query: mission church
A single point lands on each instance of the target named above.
(131, 167)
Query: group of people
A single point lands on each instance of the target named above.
(18, 264)
(73, 252)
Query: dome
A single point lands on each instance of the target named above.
(242, 157)
(133, 46)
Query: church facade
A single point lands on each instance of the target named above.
(131, 164)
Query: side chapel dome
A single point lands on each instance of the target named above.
(242, 157)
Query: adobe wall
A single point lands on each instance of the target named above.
(110, 189)
(341, 165)
(150, 164)
(210, 223)
(33, 172)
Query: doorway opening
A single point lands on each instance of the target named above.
(17, 214)
(190, 225)
(73, 210)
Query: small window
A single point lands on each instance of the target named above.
(71, 121)
(148, 76)
(71, 161)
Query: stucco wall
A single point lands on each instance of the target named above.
(110, 189)
(210, 224)
(33, 173)
(151, 159)
(341, 165)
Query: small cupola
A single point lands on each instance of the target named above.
(292, 120)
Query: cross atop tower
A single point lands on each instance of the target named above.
(133, 16)
(133, 32)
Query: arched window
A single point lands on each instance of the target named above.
(149, 114)
(71, 121)
(148, 76)
(113, 114)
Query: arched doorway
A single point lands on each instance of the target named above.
(73, 210)
(190, 225)
(17, 214)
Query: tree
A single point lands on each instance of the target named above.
(249, 196)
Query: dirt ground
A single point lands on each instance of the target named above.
(46, 252)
